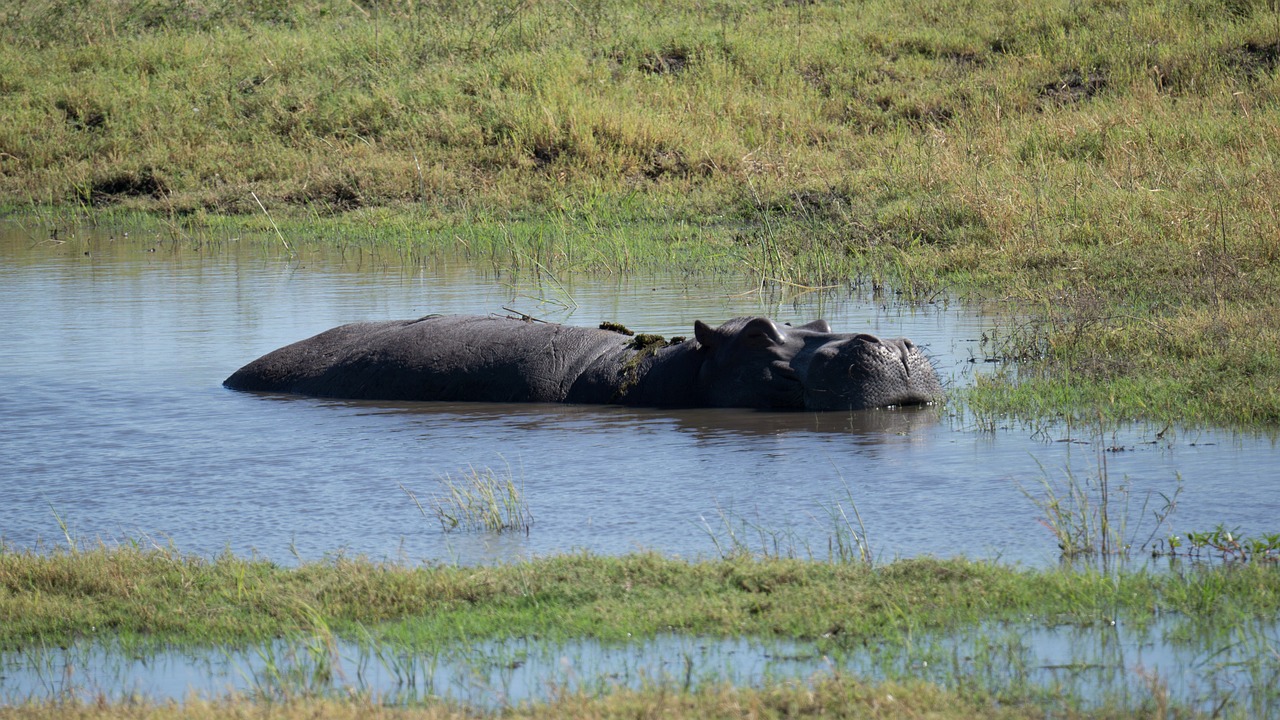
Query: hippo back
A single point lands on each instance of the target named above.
(460, 358)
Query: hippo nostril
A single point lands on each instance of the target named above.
(904, 354)
(867, 338)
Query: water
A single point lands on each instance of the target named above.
(116, 427)
(1124, 664)
(115, 420)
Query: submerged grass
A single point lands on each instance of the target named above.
(831, 697)
(1110, 166)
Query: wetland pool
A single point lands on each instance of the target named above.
(117, 425)
(117, 428)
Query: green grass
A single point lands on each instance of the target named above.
(479, 500)
(141, 599)
(160, 596)
(1110, 166)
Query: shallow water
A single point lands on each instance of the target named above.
(1078, 665)
(116, 424)
(116, 427)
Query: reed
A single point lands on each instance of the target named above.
(1089, 515)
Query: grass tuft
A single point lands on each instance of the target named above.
(1089, 516)
(480, 500)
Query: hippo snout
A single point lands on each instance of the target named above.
(858, 371)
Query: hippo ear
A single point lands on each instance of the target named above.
(817, 326)
(761, 332)
(706, 335)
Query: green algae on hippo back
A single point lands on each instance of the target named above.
(748, 362)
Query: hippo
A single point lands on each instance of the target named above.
(748, 362)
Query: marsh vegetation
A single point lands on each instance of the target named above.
(144, 599)
(478, 500)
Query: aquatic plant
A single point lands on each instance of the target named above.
(847, 539)
(1227, 545)
(479, 500)
(1089, 515)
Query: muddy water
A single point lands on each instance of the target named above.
(114, 419)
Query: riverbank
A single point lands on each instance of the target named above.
(835, 698)
(146, 596)
(1108, 168)
(140, 600)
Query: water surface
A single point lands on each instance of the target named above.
(115, 420)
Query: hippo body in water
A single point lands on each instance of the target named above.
(746, 363)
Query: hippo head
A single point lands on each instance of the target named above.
(754, 362)
(856, 371)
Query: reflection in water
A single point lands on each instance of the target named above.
(871, 426)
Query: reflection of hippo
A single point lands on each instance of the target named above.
(747, 362)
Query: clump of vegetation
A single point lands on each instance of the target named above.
(479, 500)
(648, 343)
(616, 327)
(1222, 544)
(1089, 515)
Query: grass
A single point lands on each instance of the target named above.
(144, 599)
(1223, 544)
(734, 535)
(479, 500)
(1111, 167)
(157, 595)
(1089, 515)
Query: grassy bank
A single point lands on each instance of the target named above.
(138, 600)
(840, 697)
(157, 596)
(1110, 166)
